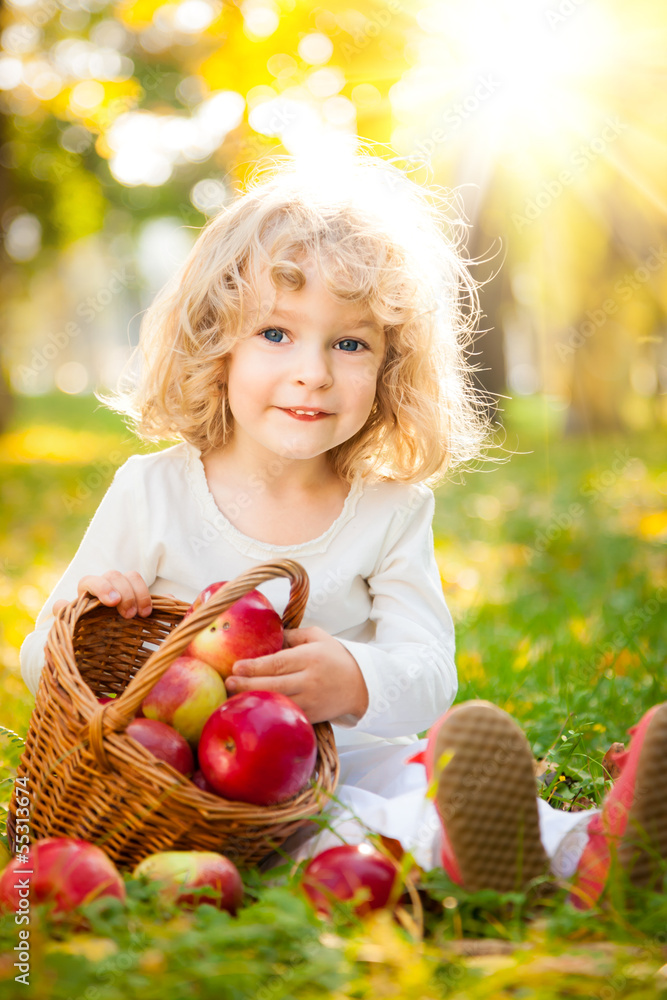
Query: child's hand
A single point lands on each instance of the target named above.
(319, 674)
(127, 591)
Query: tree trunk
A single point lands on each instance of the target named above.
(475, 173)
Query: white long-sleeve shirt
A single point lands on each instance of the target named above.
(374, 581)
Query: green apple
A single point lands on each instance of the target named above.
(179, 871)
(185, 696)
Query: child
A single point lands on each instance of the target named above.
(309, 359)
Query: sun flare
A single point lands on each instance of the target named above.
(507, 69)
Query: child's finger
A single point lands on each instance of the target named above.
(100, 587)
(267, 666)
(125, 584)
(113, 589)
(299, 636)
(285, 684)
(57, 606)
(142, 594)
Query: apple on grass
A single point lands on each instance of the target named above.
(251, 627)
(164, 743)
(64, 870)
(258, 747)
(185, 696)
(349, 871)
(179, 871)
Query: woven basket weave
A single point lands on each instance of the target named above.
(87, 778)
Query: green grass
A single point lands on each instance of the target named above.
(553, 567)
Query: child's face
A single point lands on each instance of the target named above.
(317, 358)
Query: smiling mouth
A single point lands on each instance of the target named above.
(307, 413)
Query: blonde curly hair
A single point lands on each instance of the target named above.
(381, 241)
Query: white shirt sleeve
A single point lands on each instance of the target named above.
(113, 540)
(409, 666)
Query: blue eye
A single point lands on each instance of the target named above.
(276, 339)
(272, 329)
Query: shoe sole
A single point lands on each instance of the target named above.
(647, 819)
(487, 799)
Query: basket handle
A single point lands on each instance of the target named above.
(116, 715)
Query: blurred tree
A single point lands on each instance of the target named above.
(138, 103)
(116, 114)
(552, 118)
(485, 249)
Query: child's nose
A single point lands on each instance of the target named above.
(312, 369)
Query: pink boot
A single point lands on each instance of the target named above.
(633, 820)
(486, 797)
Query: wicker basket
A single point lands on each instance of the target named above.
(87, 778)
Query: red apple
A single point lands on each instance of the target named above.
(164, 743)
(250, 627)
(105, 700)
(180, 870)
(200, 781)
(345, 871)
(203, 596)
(64, 870)
(258, 747)
(185, 696)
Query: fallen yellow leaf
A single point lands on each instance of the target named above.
(93, 948)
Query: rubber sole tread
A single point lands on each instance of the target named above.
(487, 798)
